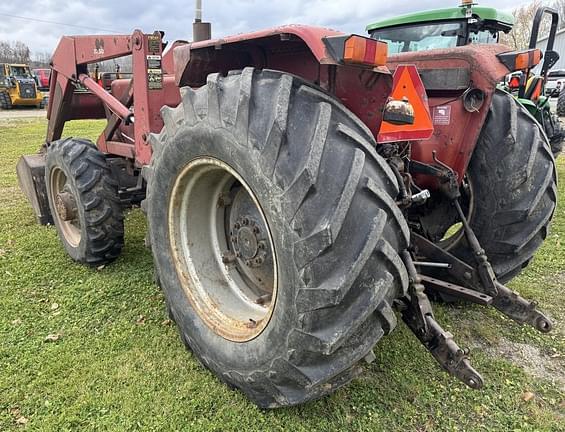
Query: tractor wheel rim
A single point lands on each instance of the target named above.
(66, 212)
(223, 250)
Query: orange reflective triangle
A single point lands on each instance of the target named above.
(407, 84)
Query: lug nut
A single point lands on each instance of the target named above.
(228, 257)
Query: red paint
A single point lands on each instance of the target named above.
(455, 143)
(105, 97)
(299, 50)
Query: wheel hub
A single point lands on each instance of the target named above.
(66, 206)
(248, 242)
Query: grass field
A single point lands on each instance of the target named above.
(118, 364)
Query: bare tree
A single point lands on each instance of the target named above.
(14, 52)
(41, 59)
(559, 6)
(5, 52)
(519, 36)
(21, 52)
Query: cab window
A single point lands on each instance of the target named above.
(483, 37)
(20, 72)
(419, 37)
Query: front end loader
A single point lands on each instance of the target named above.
(287, 176)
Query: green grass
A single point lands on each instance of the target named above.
(109, 370)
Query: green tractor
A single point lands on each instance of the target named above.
(469, 24)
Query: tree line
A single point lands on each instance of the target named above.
(19, 52)
(519, 37)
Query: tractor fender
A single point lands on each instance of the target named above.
(296, 47)
(299, 50)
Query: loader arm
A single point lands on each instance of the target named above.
(75, 95)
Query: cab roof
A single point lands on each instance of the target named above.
(456, 13)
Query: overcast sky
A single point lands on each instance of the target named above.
(175, 16)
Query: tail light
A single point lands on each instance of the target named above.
(520, 60)
(353, 49)
(365, 51)
(514, 82)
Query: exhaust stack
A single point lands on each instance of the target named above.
(200, 30)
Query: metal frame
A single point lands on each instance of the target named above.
(299, 50)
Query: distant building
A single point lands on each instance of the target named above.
(558, 46)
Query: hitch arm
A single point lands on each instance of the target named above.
(509, 302)
(419, 317)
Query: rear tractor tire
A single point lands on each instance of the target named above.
(275, 234)
(511, 190)
(83, 199)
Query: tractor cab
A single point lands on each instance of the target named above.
(442, 28)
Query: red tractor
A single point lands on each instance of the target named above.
(289, 189)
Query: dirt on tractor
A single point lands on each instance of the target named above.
(300, 196)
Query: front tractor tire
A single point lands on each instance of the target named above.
(512, 189)
(275, 234)
(5, 100)
(83, 199)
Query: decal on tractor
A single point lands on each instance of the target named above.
(442, 115)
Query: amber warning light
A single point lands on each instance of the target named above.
(521, 60)
(365, 51)
(358, 50)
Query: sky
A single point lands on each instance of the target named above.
(175, 16)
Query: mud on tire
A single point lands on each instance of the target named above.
(514, 178)
(329, 201)
(96, 235)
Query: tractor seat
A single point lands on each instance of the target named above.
(534, 88)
